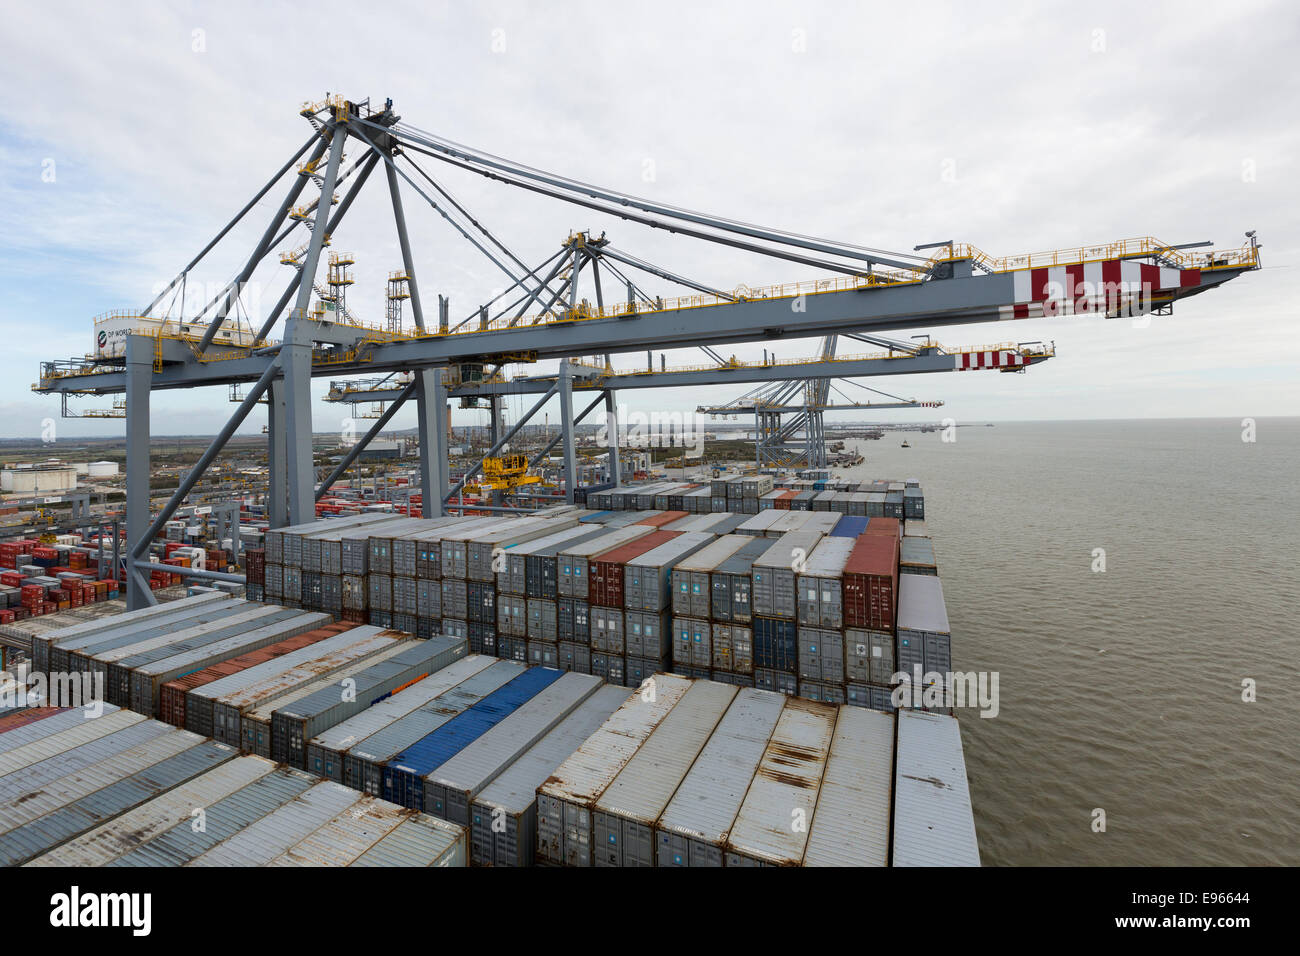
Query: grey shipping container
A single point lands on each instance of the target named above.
(691, 576)
(850, 826)
(293, 726)
(731, 583)
(774, 574)
(868, 656)
(821, 599)
(647, 578)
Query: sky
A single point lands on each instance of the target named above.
(129, 138)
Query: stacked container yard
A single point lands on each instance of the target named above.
(173, 695)
(255, 813)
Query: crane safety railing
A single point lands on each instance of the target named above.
(1244, 257)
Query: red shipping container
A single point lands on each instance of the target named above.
(605, 578)
(783, 503)
(25, 717)
(6, 616)
(255, 566)
(171, 703)
(884, 526)
(11, 579)
(870, 586)
(667, 517)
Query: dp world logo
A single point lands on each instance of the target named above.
(103, 338)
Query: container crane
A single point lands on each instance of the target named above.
(859, 290)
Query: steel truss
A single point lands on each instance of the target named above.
(540, 315)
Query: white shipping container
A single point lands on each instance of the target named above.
(565, 800)
(784, 789)
(625, 814)
(850, 826)
(693, 827)
(934, 824)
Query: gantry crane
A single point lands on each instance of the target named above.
(540, 315)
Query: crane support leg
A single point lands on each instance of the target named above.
(139, 369)
(565, 382)
(431, 396)
(611, 425)
(276, 452)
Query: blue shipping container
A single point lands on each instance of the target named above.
(850, 526)
(404, 774)
(775, 644)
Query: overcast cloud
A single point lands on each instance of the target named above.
(1013, 127)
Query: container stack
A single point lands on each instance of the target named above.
(120, 789)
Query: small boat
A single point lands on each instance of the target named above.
(905, 445)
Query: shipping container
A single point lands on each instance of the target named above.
(450, 790)
(573, 657)
(147, 679)
(173, 695)
(49, 651)
(364, 763)
(785, 787)
(405, 772)
(503, 831)
(732, 650)
(916, 556)
(820, 599)
(923, 630)
(868, 656)
(326, 750)
(647, 579)
(294, 725)
(933, 823)
(647, 634)
(871, 583)
(572, 560)
(691, 575)
(693, 827)
(216, 709)
(119, 836)
(850, 826)
(513, 577)
(565, 800)
(624, 816)
(608, 630)
(77, 791)
(731, 583)
(774, 593)
(542, 624)
(692, 643)
(821, 656)
(607, 577)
